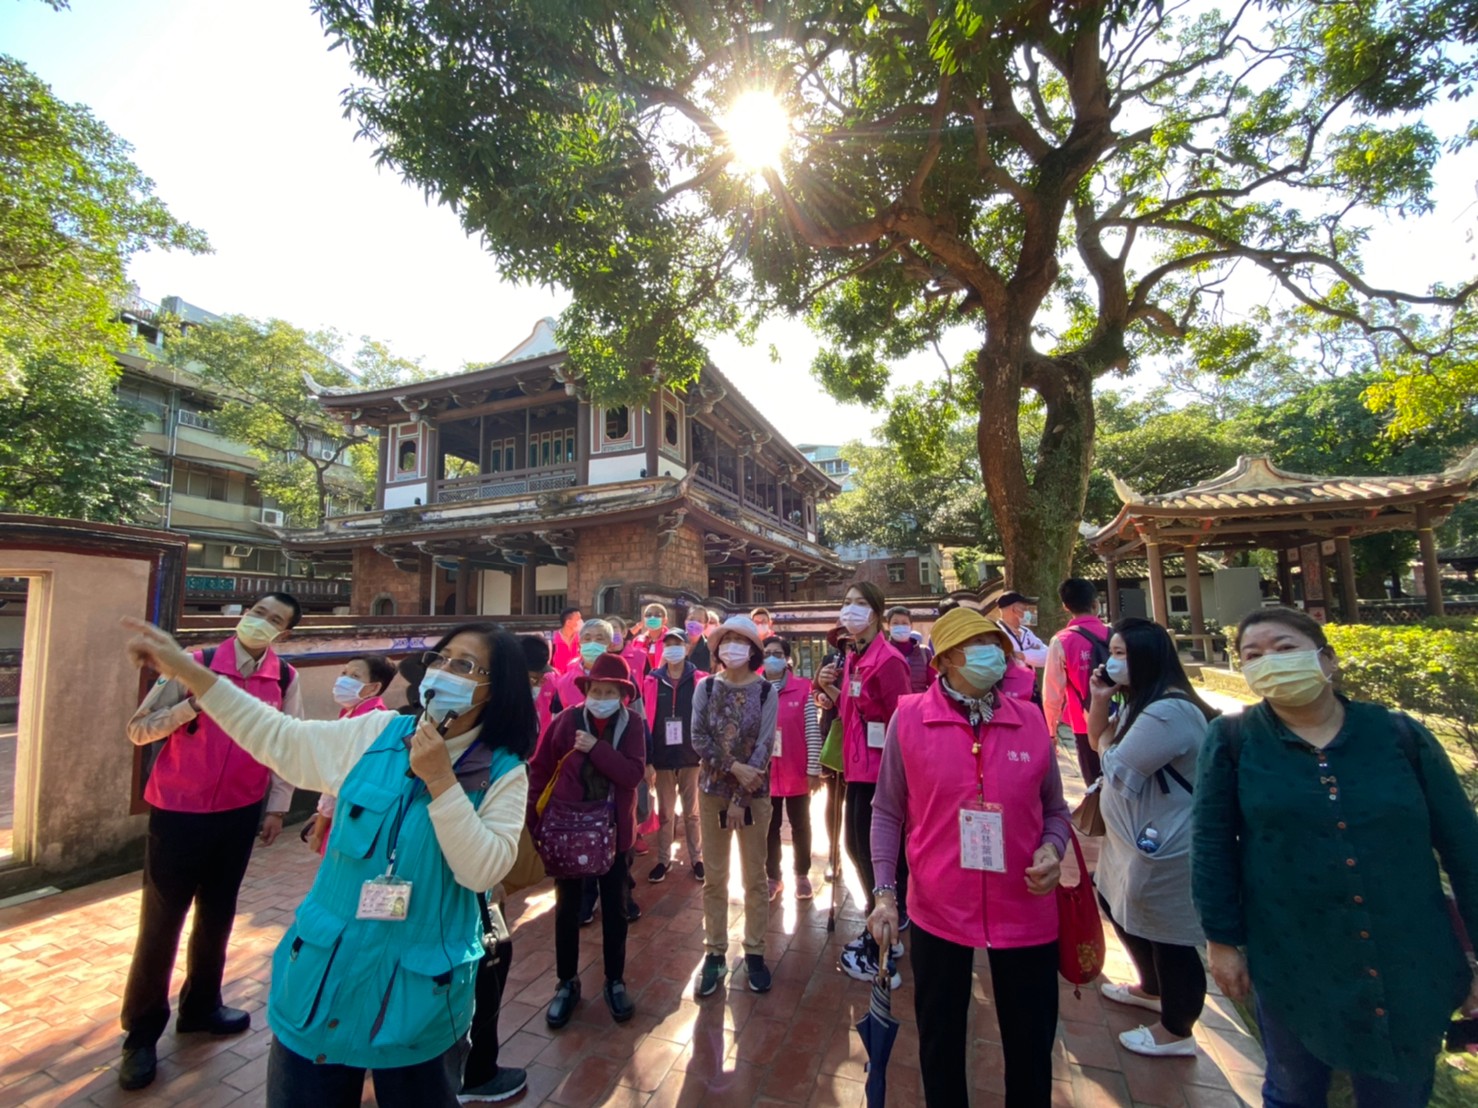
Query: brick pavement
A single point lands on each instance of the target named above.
(63, 961)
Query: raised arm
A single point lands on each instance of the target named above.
(480, 844)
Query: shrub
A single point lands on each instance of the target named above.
(1429, 670)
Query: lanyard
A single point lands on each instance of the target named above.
(402, 806)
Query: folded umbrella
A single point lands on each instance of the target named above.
(879, 1029)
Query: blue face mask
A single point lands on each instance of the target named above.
(452, 693)
(603, 709)
(984, 666)
(590, 651)
(774, 666)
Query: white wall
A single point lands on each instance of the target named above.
(497, 593)
(404, 496)
(552, 579)
(1238, 591)
(608, 471)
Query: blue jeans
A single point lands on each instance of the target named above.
(297, 1082)
(1296, 1079)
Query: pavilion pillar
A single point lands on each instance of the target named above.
(1431, 570)
(1349, 595)
(1192, 558)
(1113, 589)
(460, 589)
(527, 587)
(1285, 579)
(1159, 611)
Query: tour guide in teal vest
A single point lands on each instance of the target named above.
(377, 972)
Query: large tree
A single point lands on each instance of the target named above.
(1075, 181)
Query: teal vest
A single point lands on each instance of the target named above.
(374, 993)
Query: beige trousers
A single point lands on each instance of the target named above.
(674, 785)
(716, 875)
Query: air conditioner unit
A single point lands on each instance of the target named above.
(272, 517)
(241, 551)
(328, 453)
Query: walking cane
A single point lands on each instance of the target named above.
(834, 834)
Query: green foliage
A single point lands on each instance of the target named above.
(263, 369)
(990, 164)
(73, 210)
(68, 447)
(1428, 670)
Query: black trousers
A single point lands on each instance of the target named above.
(197, 857)
(1172, 973)
(297, 1082)
(1024, 983)
(798, 808)
(1089, 764)
(857, 823)
(567, 896)
(482, 1049)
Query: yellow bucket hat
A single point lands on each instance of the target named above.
(960, 625)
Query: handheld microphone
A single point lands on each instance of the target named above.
(441, 728)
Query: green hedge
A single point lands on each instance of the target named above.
(1428, 669)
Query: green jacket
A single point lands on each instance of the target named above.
(1324, 869)
(374, 993)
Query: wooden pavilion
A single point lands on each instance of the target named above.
(1307, 520)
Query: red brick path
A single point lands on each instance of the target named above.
(63, 961)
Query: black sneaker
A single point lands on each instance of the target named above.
(618, 1000)
(562, 1007)
(713, 972)
(658, 874)
(223, 1021)
(587, 915)
(698, 871)
(759, 973)
(506, 1084)
(140, 1064)
(633, 911)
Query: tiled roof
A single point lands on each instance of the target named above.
(1254, 482)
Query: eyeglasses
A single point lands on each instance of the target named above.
(462, 667)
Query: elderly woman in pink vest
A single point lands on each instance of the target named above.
(973, 776)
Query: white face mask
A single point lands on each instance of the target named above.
(254, 631)
(1118, 671)
(347, 691)
(855, 618)
(1291, 679)
(674, 654)
(774, 666)
(900, 632)
(734, 654)
(603, 709)
(1028, 618)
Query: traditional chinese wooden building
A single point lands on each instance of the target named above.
(505, 491)
(1308, 520)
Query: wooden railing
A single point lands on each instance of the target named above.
(517, 482)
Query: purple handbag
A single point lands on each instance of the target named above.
(575, 839)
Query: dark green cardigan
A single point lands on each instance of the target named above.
(1327, 875)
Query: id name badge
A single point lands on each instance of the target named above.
(982, 839)
(778, 747)
(876, 733)
(674, 732)
(384, 898)
(855, 688)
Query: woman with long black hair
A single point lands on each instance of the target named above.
(376, 972)
(1149, 755)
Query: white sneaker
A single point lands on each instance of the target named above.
(857, 965)
(1120, 994)
(1142, 1041)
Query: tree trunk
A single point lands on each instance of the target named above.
(1037, 514)
(320, 480)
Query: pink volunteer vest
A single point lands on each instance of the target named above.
(788, 772)
(200, 769)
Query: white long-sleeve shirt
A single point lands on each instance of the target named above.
(166, 708)
(479, 844)
(1033, 650)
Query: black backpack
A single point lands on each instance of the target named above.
(1099, 655)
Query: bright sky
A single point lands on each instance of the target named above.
(233, 109)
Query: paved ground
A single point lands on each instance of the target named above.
(63, 962)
